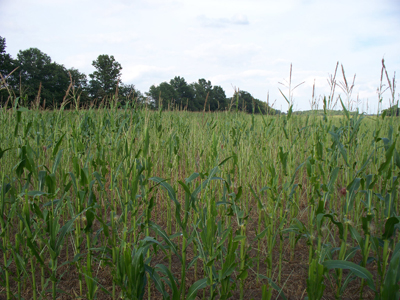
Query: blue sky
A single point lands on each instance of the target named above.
(244, 44)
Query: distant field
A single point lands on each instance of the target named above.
(132, 204)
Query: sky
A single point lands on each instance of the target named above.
(247, 45)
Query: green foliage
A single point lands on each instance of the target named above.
(105, 79)
(40, 76)
(164, 92)
(158, 199)
(177, 93)
(393, 111)
(182, 92)
(7, 65)
(246, 102)
(39, 82)
(315, 280)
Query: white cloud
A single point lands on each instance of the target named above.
(237, 19)
(228, 55)
(109, 38)
(136, 72)
(240, 19)
(80, 61)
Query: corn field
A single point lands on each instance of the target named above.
(139, 204)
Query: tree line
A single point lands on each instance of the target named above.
(35, 79)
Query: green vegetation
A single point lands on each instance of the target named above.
(136, 203)
(321, 112)
(131, 200)
(34, 77)
(392, 111)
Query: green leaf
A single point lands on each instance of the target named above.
(192, 177)
(333, 177)
(63, 231)
(171, 282)
(346, 112)
(104, 225)
(34, 251)
(98, 178)
(57, 161)
(243, 275)
(157, 281)
(198, 285)
(3, 151)
(164, 235)
(262, 234)
(283, 156)
(319, 150)
(91, 279)
(224, 237)
(389, 227)
(289, 114)
(390, 285)
(57, 146)
(172, 196)
(239, 238)
(356, 269)
(284, 96)
(166, 186)
(225, 160)
(352, 188)
(388, 155)
(354, 233)
(338, 224)
(205, 183)
(315, 280)
(277, 288)
(89, 219)
(35, 194)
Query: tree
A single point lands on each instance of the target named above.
(218, 98)
(127, 93)
(165, 91)
(184, 92)
(201, 88)
(105, 79)
(177, 93)
(79, 86)
(36, 70)
(191, 96)
(55, 83)
(79, 80)
(216, 95)
(392, 111)
(7, 65)
(250, 104)
(33, 65)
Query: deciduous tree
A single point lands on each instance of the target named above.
(164, 92)
(7, 65)
(105, 79)
(184, 92)
(36, 70)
